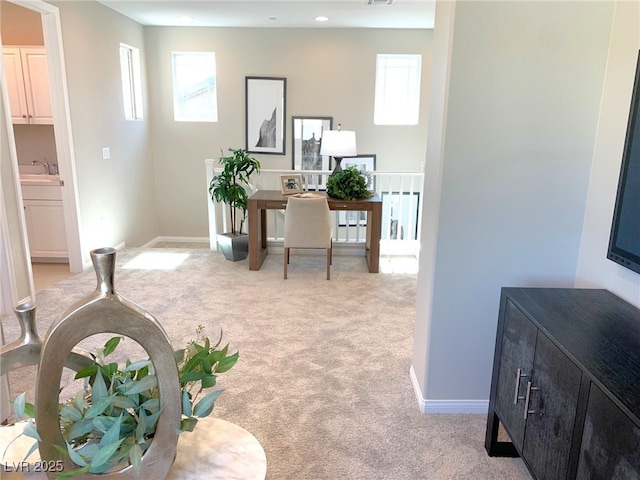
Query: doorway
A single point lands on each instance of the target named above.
(48, 24)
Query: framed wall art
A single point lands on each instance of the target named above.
(265, 109)
(366, 164)
(306, 140)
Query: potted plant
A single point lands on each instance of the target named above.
(227, 188)
(347, 184)
(111, 423)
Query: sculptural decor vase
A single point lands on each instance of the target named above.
(100, 312)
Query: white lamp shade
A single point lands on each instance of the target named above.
(338, 143)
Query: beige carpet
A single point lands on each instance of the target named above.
(323, 376)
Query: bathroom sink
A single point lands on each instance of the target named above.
(34, 179)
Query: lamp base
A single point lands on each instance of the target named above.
(338, 167)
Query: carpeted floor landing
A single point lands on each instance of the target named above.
(323, 376)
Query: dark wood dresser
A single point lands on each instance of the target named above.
(566, 384)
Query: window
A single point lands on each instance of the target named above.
(131, 82)
(397, 99)
(194, 87)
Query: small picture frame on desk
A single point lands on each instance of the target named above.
(291, 183)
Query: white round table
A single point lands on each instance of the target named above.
(215, 450)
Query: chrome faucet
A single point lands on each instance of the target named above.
(45, 165)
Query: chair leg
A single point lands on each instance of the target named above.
(328, 264)
(286, 261)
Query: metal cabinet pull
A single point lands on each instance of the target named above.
(519, 375)
(527, 398)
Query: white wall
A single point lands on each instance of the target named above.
(116, 196)
(525, 80)
(330, 72)
(594, 270)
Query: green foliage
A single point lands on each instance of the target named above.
(349, 184)
(226, 187)
(113, 420)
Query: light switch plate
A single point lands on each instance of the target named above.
(106, 153)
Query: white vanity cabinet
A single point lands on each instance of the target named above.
(28, 85)
(45, 222)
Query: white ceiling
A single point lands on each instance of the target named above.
(280, 14)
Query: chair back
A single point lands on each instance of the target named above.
(307, 223)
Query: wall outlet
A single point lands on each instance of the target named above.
(106, 153)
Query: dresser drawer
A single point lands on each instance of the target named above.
(347, 206)
(275, 205)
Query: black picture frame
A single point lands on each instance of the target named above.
(306, 138)
(401, 224)
(265, 114)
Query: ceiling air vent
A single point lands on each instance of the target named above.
(380, 2)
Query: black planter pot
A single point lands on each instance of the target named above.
(234, 247)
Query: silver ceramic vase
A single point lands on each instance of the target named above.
(104, 311)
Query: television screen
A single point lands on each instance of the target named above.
(624, 243)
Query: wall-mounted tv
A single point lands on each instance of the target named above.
(624, 242)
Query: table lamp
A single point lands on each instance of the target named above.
(338, 144)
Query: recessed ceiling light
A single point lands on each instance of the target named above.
(185, 18)
(321, 18)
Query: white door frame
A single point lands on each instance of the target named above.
(52, 33)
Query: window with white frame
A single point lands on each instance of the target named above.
(397, 100)
(194, 87)
(131, 82)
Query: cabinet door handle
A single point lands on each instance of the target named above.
(527, 398)
(519, 375)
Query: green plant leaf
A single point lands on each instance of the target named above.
(205, 406)
(113, 434)
(29, 410)
(124, 402)
(135, 457)
(137, 365)
(71, 413)
(208, 381)
(152, 405)
(206, 365)
(104, 454)
(188, 424)
(30, 431)
(147, 383)
(33, 448)
(226, 363)
(109, 369)
(75, 456)
(192, 377)
(99, 407)
(111, 345)
(152, 420)
(186, 404)
(98, 389)
(18, 405)
(78, 429)
(142, 424)
(78, 401)
(88, 371)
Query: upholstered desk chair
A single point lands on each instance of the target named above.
(307, 224)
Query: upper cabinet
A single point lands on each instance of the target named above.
(28, 85)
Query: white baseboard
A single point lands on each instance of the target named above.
(157, 240)
(446, 406)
